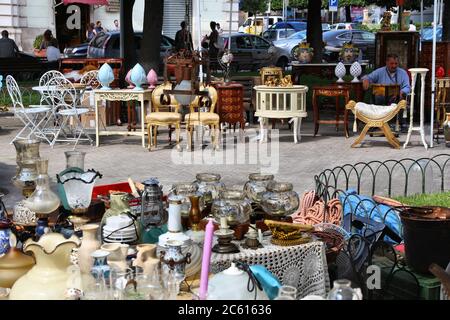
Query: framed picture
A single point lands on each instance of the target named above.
(271, 74)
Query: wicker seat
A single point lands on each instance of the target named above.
(376, 117)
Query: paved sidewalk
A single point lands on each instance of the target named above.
(120, 157)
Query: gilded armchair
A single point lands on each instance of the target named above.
(169, 117)
(375, 116)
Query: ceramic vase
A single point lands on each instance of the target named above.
(119, 204)
(89, 244)
(105, 76)
(173, 258)
(146, 258)
(100, 268)
(128, 79)
(340, 72)
(355, 71)
(138, 76)
(47, 280)
(117, 258)
(4, 236)
(152, 79)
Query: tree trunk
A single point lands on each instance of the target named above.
(348, 13)
(151, 42)
(129, 53)
(314, 29)
(446, 21)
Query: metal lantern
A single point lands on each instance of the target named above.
(152, 207)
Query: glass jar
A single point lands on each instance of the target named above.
(257, 185)
(280, 199)
(234, 206)
(209, 182)
(342, 290)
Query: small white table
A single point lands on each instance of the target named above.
(420, 128)
(122, 95)
(281, 103)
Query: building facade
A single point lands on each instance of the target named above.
(26, 19)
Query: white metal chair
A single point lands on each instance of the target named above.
(32, 118)
(45, 78)
(65, 99)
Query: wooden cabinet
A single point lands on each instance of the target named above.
(442, 60)
(403, 43)
(230, 103)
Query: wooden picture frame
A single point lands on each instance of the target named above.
(271, 73)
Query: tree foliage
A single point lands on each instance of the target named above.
(254, 6)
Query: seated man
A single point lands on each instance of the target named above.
(390, 74)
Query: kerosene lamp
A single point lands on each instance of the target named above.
(153, 215)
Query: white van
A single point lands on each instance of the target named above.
(259, 24)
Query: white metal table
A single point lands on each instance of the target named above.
(281, 103)
(122, 95)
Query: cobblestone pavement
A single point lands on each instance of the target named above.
(120, 157)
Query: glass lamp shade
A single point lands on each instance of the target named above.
(43, 200)
(184, 99)
(138, 76)
(75, 188)
(105, 76)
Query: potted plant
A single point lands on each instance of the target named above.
(37, 44)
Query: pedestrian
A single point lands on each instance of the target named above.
(412, 26)
(98, 27)
(183, 38)
(219, 29)
(116, 25)
(48, 38)
(90, 32)
(8, 47)
(213, 37)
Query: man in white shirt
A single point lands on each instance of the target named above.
(412, 27)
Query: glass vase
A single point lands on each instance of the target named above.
(342, 290)
(209, 183)
(43, 200)
(280, 199)
(257, 185)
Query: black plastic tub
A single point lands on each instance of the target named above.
(426, 234)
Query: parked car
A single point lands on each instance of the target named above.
(344, 25)
(427, 33)
(296, 25)
(286, 47)
(326, 27)
(277, 34)
(257, 25)
(251, 52)
(335, 39)
(107, 45)
(79, 51)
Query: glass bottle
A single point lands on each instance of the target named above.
(342, 290)
(287, 293)
(43, 200)
(75, 159)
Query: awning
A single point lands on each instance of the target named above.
(93, 2)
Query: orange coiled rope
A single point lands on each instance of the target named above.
(312, 211)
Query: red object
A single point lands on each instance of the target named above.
(400, 2)
(92, 2)
(104, 189)
(440, 72)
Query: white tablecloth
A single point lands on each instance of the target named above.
(303, 266)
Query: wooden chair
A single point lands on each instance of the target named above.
(157, 117)
(376, 118)
(442, 101)
(203, 118)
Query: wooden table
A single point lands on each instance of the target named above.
(230, 103)
(281, 103)
(335, 91)
(122, 95)
(324, 70)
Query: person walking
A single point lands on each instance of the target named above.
(183, 38)
(8, 47)
(116, 25)
(98, 27)
(213, 47)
